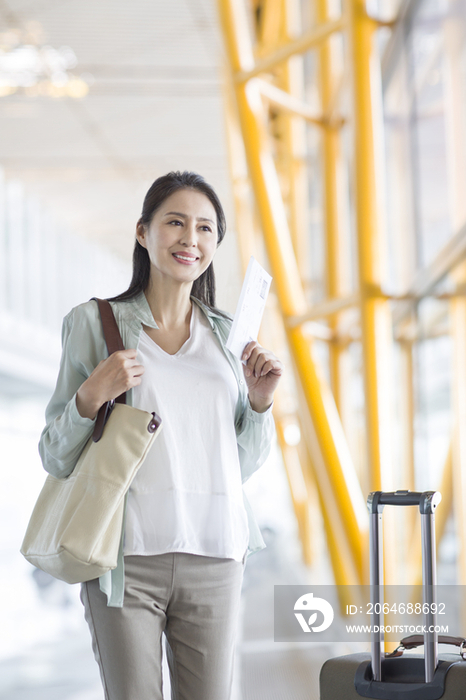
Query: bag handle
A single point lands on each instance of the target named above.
(114, 343)
(427, 502)
(417, 640)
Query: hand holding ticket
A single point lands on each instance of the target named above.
(250, 308)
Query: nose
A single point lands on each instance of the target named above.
(188, 236)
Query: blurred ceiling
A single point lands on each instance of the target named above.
(154, 104)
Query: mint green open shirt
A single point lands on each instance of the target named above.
(67, 432)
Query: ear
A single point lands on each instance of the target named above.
(141, 234)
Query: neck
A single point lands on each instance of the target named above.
(170, 305)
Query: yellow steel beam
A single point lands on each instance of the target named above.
(298, 490)
(338, 467)
(269, 28)
(306, 42)
(316, 524)
(331, 115)
(242, 195)
(318, 481)
(318, 331)
(261, 166)
(290, 140)
(332, 205)
(406, 419)
(339, 492)
(288, 103)
(324, 309)
(442, 516)
(455, 116)
(282, 19)
(344, 566)
(248, 245)
(458, 324)
(375, 315)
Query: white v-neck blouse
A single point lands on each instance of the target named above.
(187, 496)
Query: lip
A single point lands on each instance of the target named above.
(192, 258)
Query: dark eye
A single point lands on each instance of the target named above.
(175, 221)
(206, 228)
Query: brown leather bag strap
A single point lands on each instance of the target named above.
(417, 640)
(111, 331)
(114, 343)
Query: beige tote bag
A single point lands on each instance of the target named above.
(75, 529)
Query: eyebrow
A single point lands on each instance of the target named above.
(184, 216)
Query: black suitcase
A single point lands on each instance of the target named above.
(398, 677)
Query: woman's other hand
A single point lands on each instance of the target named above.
(262, 372)
(112, 377)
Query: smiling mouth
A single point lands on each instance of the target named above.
(184, 258)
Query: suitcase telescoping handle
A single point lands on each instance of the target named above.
(427, 502)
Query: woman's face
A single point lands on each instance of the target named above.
(181, 239)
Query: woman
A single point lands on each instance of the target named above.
(188, 526)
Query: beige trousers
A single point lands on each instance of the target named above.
(194, 600)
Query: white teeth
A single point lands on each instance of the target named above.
(181, 257)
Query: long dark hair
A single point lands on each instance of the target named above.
(204, 287)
